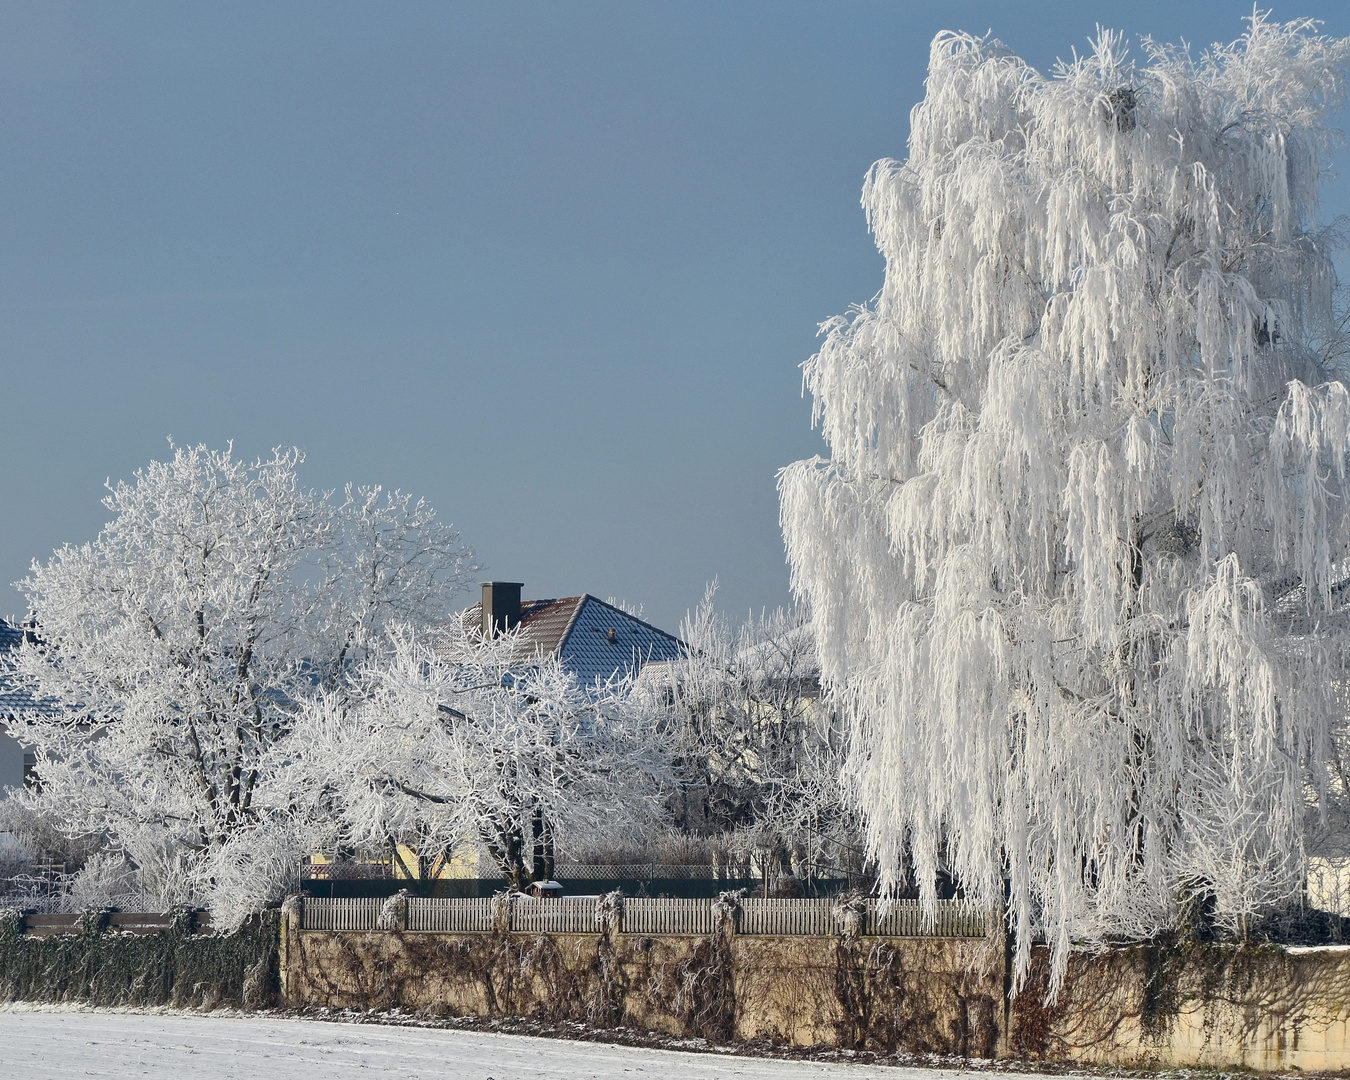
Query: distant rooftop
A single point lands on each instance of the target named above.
(592, 639)
(13, 697)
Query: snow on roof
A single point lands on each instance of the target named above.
(593, 639)
(604, 640)
(13, 695)
(791, 653)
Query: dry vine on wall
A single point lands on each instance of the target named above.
(911, 997)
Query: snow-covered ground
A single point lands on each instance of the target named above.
(47, 1044)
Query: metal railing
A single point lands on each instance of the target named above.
(346, 871)
(642, 872)
(582, 915)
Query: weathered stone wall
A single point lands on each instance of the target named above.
(1205, 1005)
(1264, 1008)
(1218, 1006)
(920, 995)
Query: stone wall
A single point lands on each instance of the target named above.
(929, 995)
(1205, 1005)
(1266, 1008)
(1214, 1006)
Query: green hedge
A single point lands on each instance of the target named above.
(172, 967)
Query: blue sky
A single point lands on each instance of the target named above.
(552, 266)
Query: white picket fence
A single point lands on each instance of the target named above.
(555, 915)
(809, 917)
(904, 918)
(357, 914)
(577, 915)
(646, 916)
(468, 915)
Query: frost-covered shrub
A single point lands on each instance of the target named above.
(38, 858)
(35, 825)
(759, 757)
(107, 880)
(15, 865)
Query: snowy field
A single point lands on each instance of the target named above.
(52, 1044)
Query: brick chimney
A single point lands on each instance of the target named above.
(501, 606)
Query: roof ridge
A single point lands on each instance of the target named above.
(524, 602)
(572, 622)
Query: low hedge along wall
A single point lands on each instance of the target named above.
(173, 967)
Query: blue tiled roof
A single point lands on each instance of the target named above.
(576, 629)
(13, 696)
(603, 641)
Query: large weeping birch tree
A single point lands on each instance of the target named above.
(1075, 559)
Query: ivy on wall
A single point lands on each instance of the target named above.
(175, 967)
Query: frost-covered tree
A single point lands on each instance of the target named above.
(181, 641)
(1075, 557)
(459, 746)
(759, 753)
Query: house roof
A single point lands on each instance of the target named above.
(577, 630)
(13, 695)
